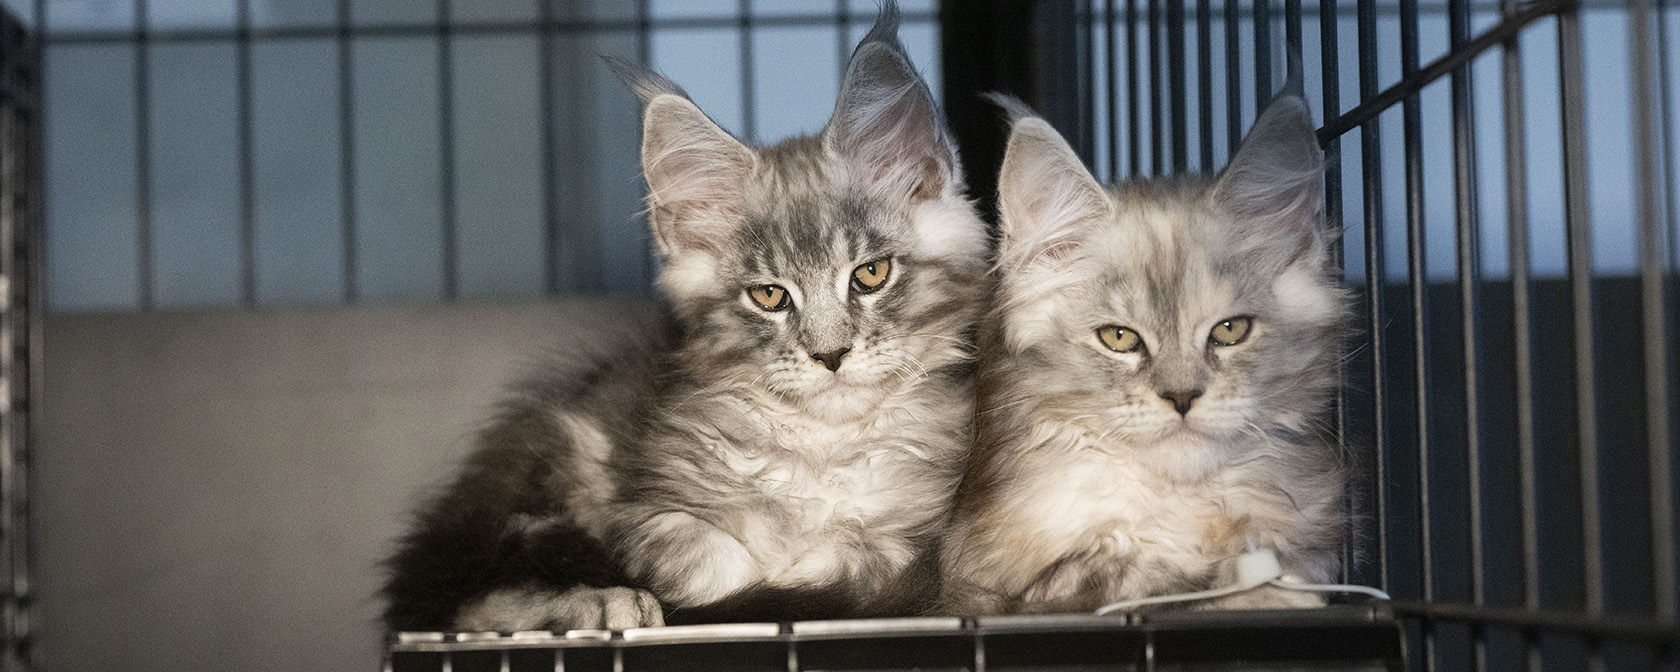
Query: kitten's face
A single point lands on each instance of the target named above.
(827, 296)
(825, 271)
(1182, 335)
(1175, 315)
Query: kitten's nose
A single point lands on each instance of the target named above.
(831, 359)
(1182, 399)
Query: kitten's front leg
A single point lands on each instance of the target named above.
(687, 561)
(579, 608)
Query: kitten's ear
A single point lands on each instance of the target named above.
(886, 122)
(1275, 184)
(696, 172)
(1046, 197)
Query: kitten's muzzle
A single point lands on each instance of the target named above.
(1182, 399)
(831, 359)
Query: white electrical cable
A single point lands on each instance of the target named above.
(1331, 588)
(1254, 569)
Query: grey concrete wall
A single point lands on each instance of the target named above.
(213, 491)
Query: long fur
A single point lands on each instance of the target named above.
(1086, 485)
(713, 463)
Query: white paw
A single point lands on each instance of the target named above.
(580, 608)
(688, 561)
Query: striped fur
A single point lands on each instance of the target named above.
(721, 468)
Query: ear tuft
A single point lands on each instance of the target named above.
(885, 120)
(645, 83)
(1275, 183)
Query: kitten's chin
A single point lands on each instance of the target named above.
(1184, 454)
(843, 400)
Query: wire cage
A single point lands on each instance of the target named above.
(1512, 396)
(1502, 174)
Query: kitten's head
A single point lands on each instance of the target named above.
(1188, 315)
(826, 270)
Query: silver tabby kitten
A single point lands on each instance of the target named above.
(1159, 363)
(792, 449)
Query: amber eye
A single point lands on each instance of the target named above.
(1231, 331)
(769, 297)
(1120, 339)
(869, 277)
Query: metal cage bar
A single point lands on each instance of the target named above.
(347, 152)
(20, 327)
(1648, 171)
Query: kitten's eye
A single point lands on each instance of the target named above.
(769, 297)
(1231, 331)
(869, 277)
(1120, 339)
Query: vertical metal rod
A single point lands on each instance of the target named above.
(1331, 94)
(1579, 236)
(1647, 172)
(1468, 243)
(1262, 55)
(842, 34)
(644, 56)
(1467, 227)
(550, 147)
(1204, 80)
(143, 153)
(1133, 134)
(1176, 86)
(1112, 79)
(446, 152)
(247, 161)
(1417, 251)
(1157, 120)
(1293, 54)
(1370, 152)
(1233, 79)
(1516, 212)
(749, 119)
(1671, 205)
(346, 151)
(1086, 45)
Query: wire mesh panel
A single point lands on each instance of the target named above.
(1347, 637)
(1502, 177)
(253, 153)
(19, 324)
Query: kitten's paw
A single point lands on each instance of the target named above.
(689, 561)
(580, 608)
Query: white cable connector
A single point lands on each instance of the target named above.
(1257, 567)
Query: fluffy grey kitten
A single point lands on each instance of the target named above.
(788, 444)
(1158, 367)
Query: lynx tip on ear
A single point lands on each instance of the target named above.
(646, 83)
(1013, 108)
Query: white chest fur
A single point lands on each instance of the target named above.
(837, 498)
(1084, 501)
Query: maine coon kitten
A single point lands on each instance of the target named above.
(1158, 365)
(788, 444)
